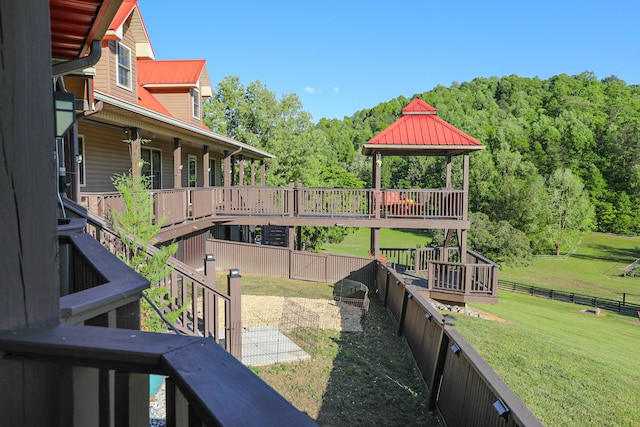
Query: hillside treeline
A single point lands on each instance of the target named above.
(562, 155)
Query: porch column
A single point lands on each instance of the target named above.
(136, 151)
(205, 166)
(226, 178)
(376, 167)
(177, 163)
(253, 172)
(241, 170)
(465, 208)
(376, 171)
(292, 238)
(263, 173)
(449, 171)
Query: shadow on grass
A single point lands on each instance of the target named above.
(610, 254)
(373, 381)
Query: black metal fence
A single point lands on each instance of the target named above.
(619, 306)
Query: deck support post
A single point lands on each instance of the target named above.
(374, 245)
(253, 172)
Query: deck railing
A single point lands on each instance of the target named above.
(192, 203)
(477, 276)
(210, 312)
(205, 384)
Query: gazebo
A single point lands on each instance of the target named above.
(420, 132)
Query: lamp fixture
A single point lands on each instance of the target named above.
(502, 408)
(428, 315)
(456, 349)
(234, 273)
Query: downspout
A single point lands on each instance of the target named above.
(79, 63)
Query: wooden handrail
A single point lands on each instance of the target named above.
(219, 390)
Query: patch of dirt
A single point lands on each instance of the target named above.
(492, 317)
(332, 315)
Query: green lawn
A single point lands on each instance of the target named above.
(569, 367)
(357, 243)
(594, 269)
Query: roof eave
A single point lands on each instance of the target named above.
(125, 105)
(419, 150)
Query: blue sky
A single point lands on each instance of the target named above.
(343, 56)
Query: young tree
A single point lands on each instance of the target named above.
(571, 213)
(136, 229)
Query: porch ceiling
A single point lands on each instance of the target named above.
(76, 23)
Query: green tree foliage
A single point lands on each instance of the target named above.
(136, 228)
(531, 129)
(569, 213)
(498, 241)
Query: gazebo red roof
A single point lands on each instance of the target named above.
(419, 131)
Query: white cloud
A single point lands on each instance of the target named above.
(311, 90)
(336, 89)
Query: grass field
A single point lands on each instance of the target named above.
(595, 269)
(357, 243)
(568, 366)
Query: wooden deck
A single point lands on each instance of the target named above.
(299, 206)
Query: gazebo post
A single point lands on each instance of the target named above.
(376, 166)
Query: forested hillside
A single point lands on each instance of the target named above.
(562, 156)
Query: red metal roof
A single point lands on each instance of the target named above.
(76, 23)
(123, 13)
(147, 100)
(170, 72)
(419, 128)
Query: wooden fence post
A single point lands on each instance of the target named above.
(234, 289)
(434, 387)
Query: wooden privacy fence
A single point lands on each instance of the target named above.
(620, 306)
(462, 386)
(276, 261)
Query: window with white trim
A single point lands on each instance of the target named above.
(152, 166)
(195, 103)
(124, 66)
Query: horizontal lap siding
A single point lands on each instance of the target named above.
(178, 104)
(105, 154)
(114, 89)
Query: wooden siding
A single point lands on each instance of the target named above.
(282, 262)
(178, 104)
(101, 79)
(129, 41)
(105, 155)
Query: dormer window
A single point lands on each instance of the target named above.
(195, 102)
(124, 66)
